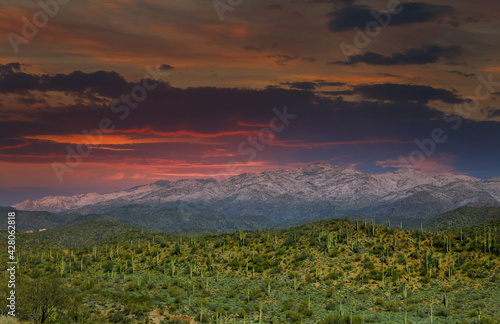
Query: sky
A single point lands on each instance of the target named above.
(97, 96)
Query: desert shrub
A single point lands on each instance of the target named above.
(293, 316)
(335, 274)
(339, 319)
(443, 311)
(8, 320)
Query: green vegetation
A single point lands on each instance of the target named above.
(464, 216)
(79, 234)
(330, 271)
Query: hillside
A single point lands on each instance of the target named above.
(464, 216)
(329, 271)
(78, 235)
(185, 219)
(33, 220)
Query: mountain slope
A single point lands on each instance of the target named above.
(316, 191)
(185, 219)
(32, 220)
(178, 220)
(464, 216)
(81, 234)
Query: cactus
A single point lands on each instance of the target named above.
(63, 266)
(446, 301)
(172, 268)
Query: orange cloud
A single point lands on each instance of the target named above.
(150, 131)
(105, 140)
(15, 146)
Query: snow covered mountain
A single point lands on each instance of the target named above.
(318, 190)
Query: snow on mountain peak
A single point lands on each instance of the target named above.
(317, 184)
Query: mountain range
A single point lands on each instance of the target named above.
(316, 191)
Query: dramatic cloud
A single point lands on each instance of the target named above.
(465, 75)
(100, 82)
(428, 54)
(10, 68)
(226, 80)
(349, 17)
(311, 85)
(282, 59)
(407, 93)
(166, 67)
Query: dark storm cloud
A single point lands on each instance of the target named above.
(494, 113)
(428, 54)
(100, 82)
(10, 67)
(349, 17)
(32, 101)
(311, 85)
(390, 75)
(282, 59)
(166, 67)
(406, 93)
(465, 75)
(305, 85)
(210, 110)
(205, 109)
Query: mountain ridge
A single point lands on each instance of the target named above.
(318, 190)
